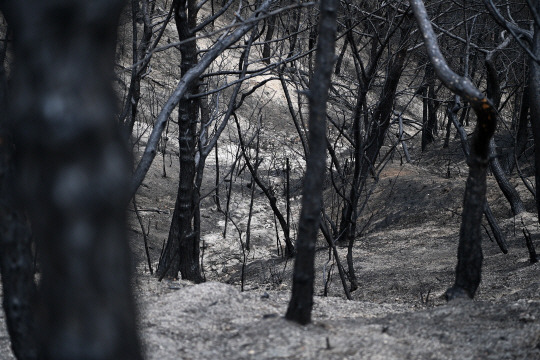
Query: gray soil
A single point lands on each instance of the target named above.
(404, 261)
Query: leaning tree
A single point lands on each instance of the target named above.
(469, 267)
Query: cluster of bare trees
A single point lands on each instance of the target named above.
(350, 72)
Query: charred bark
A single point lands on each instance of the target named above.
(266, 53)
(73, 167)
(16, 260)
(19, 289)
(139, 50)
(494, 93)
(301, 302)
(521, 132)
(469, 267)
(534, 93)
(366, 151)
(429, 117)
(181, 253)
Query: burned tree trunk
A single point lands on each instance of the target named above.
(16, 261)
(19, 289)
(469, 267)
(493, 92)
(266, 53)
(534, 93)
(182, 249)
(139, 10)
(521, 131)
(301, 303)
(429, 117)
(367, 150)
(72, 169)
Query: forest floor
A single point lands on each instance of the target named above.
(404, 261)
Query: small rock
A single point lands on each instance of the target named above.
(526, 317)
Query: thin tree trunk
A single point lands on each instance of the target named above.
(182, 249)
(508, 190)
(267, 40)
(339, 61)
(521, 132)
(469, 267)
(534, 93)
(366, 155)
(138, 52)
(301, 302)
(432, 101)
(293, 30)
(494, 93)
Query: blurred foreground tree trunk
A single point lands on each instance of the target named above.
(303, 278)
(72, 170)
(16, 261)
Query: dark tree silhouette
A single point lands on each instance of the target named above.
(301, 303)
(16, 261)
(182, 250)
(534, 93)
(469, 267)
(181, 253)
(72, 172)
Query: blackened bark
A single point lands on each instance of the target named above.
(521, 132)
(451, 112)
(267, 40)
(182, 87)
(293, 30)
(139, 50)
(493, 92)
(16, 261)
(509, 191)
(533, 257)
(366, 152)
(469, 267)
(339, 61)
(497, 233)
(301, 302)
(433, 103)
(425, 133)
(17, 269)
(383, 111)
(73, 167)
(534, 93)
(182, 249)
(429, 117)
